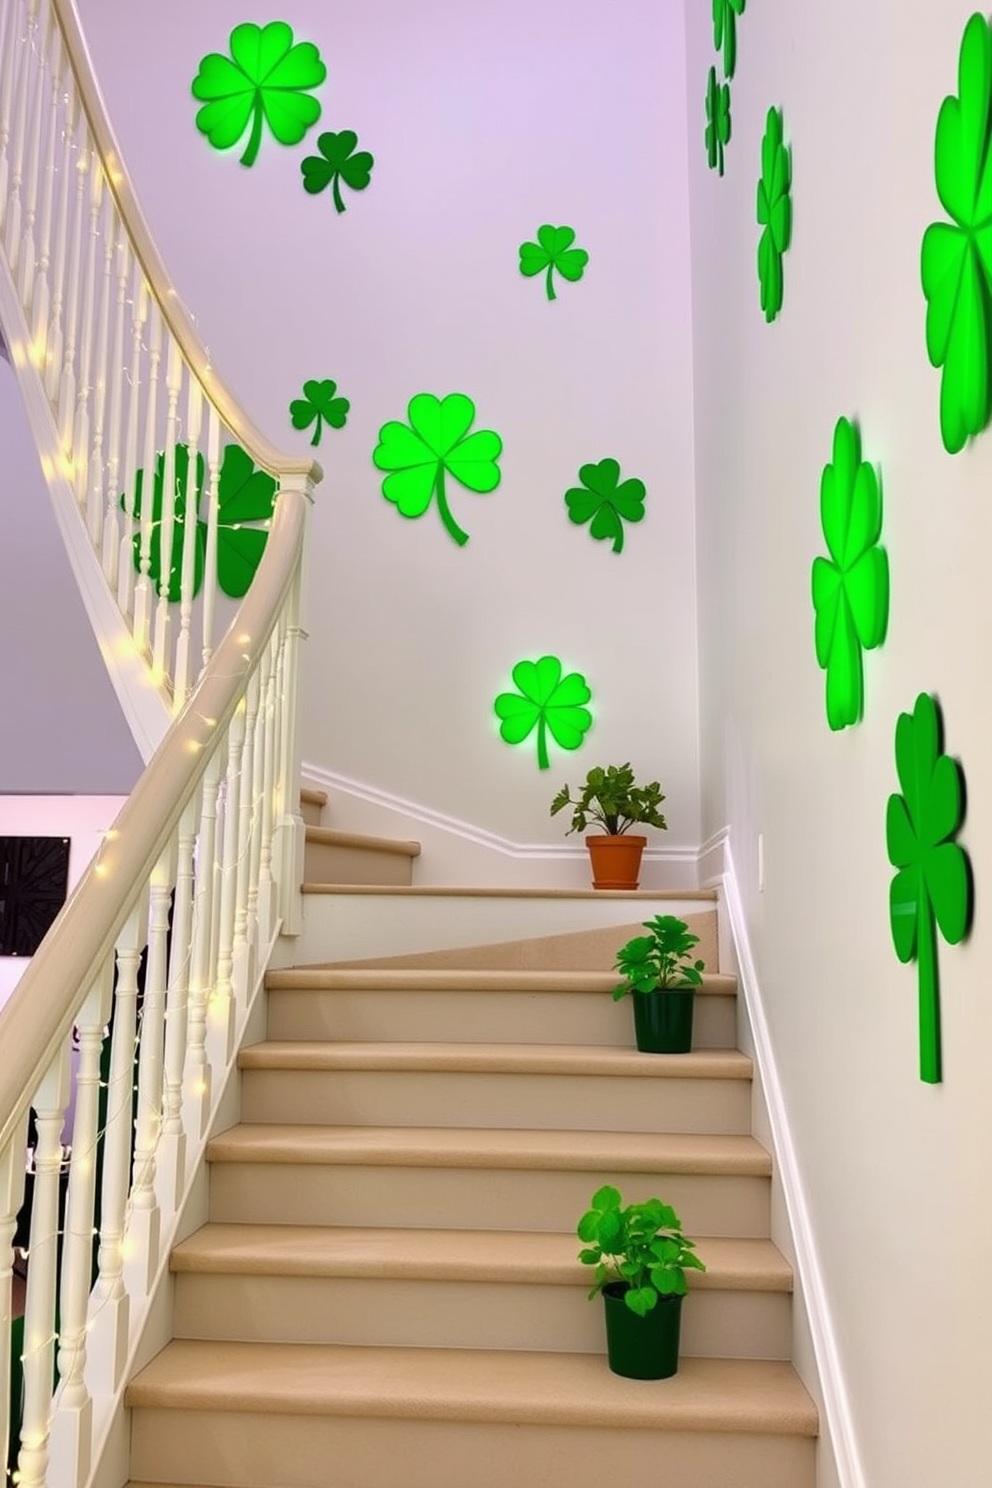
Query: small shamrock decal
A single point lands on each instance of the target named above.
(956, 261)
(548, 702)
(267, 81)
(553, 250)
(717, 120)
(437, 442)
(932, 888)
(851, 587)
(606, 502)
(319, 406)
(725, 13)
(337, 162)
(774, 213)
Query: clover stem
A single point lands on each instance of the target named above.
(255, 139)
(336, 192)
(542, 744)
(316, 430)
(450, 525)
(549, 283)
(929, 995)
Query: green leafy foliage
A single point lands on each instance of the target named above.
(774, 213)
(956, 260)
(640, 1245)
(606, 500)
(337, 162)
(612, 797)
(851, 587)
(662, 958)
(725, 13)
(266, 79)
(548, 702)
(435, 444)
(717, 120)
(553, 251)
(319, 406)
(932, 887)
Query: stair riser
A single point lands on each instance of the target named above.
(326, 863)
(472, 1198)
(408, 1313)
(310, 1451)
(479, 1099)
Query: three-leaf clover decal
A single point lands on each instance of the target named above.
(717, 120)
(553, 252)
(851, 587)
(932, 888)
(266, 79)
(606, 500)
(436, 443)
(725, 13)
(548, 701)
(956, 261)
(319, 406)
(337, 162)
(774, 213)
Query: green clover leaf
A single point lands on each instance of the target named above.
(548, 702)
(956, 262)
(319, 406)
(605, 501)
(181, 510)
(932, 888)
(436, 442)
(267, 80)
(717, 120)
(774, 213)
(335, 163)
(553, 250)
(725, 13)
(851, 588)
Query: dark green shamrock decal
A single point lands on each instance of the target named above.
(337, 162)
(606, 502)
(547, 701)
(436, 443)
(956, 261)
(318, 406)
(717, 120)
(553, 250)
(932, 888)
(725, 13)
(774, 213)
(266, 79)
(851, 587)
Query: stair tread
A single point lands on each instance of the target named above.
(534, 1059)
(312, 796)
(328, 978)
(522, 1388)
(459, 891)
(449, 1255)
(330, 837)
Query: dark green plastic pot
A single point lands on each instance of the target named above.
(647, 1347)
(663, 1020)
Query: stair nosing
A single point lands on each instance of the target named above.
(442, 891)
(498, 1059)
(328, 978)
(331, 837)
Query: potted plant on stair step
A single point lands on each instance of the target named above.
(661, 976)
(641, 1257)
(612, 797)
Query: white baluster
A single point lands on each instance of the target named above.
(260, 683)
(130, 543)
(171, 1164)
(213, 504)
(266, 885)
(222, 1002)
(290, 837)
(81, 424)
(55, 340)
(76, 252)
(194, 482)
(9, 54)
(98, 376)
(41, 293)
(197, 1078)
(11, 1199)
(36, 113)
(117, 374)
(18, 144)
(143, 588)
(242, 971)
(170, 496)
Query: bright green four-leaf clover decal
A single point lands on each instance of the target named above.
(932, 888)
(774, 213)
(956, 261)
(319, 406)
(547, 701)
(607, 500)
(851, 587)
(266, 79)
(717, 120)
(435, 444)
(553, 251)
(725, 13)
(337, 162)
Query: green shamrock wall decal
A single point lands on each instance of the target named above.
(266, 79)
(774, 213)
(851, 587)
(717, 120)
(932, 888)
(436, 443)
(606, 502)
(547, 701)
(319, 406)
(725, 13)
(956, 261)
(337, 162)
(553, 250)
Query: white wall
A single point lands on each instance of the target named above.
(895, 1171)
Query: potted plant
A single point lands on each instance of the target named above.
(612, 797)
(659, 971)
(641, 1257)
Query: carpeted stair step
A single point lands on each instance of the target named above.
(333, 857)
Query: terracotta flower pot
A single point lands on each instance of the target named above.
(616, 861)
